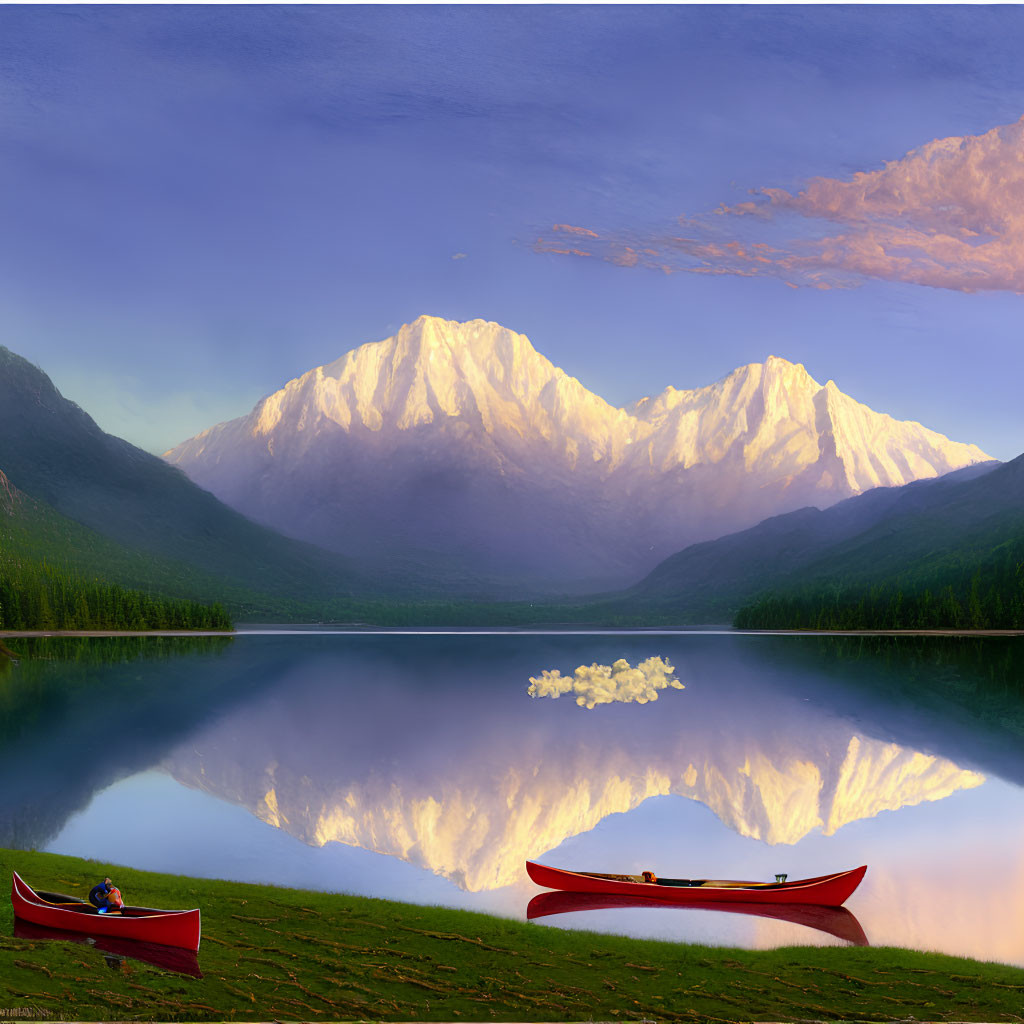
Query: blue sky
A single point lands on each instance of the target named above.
(198, 203)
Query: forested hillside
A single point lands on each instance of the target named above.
(142, 512)
(34, 595)
(953, 590)
(943, 553)
(55, 574)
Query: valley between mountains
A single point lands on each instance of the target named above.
(453, 474)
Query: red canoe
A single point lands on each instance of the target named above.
(168, 927)
(826, 890)
(837, 921)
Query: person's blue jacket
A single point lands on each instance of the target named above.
(99, 893)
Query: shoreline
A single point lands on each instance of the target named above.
(257, 629)
(35, 633)
(278, 953)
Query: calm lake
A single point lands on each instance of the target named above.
(418, 767)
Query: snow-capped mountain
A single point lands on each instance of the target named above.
(459, 441)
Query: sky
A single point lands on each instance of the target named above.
(200, 203)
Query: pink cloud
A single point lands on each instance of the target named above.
(949, 214)
(573, 230)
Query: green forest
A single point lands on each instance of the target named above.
(35, 595)
(983, 592)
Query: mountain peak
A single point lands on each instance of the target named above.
(435, 371)
(781, 362)
(776, 366)
(775, 371)
(432, 333)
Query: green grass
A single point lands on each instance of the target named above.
(286, 954)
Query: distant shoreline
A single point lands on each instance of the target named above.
(16, 633)
(251, 628)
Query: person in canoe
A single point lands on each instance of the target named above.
(105, 897)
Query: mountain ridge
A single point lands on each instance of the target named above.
(81, 477)
(478, 437)
(859, 540)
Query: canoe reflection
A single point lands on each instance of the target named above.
(837, 921)
(168, 958)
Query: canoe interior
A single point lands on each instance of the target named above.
(689, 883)
(80, 906)
(713, 883)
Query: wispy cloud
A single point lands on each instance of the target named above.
(949, 214)
(607, 684)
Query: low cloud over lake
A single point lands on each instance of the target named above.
(607, 684)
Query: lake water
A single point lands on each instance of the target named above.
(419, 768)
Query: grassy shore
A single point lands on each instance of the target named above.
(286, 954)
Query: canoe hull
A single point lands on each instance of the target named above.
(825, 890)
(179, 928)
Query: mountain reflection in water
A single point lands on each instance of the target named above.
(418, 767)
(469, 782)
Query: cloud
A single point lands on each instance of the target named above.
(606, 684)
(949, 214)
